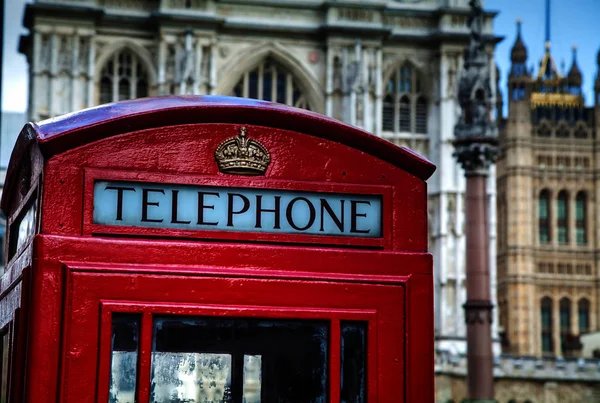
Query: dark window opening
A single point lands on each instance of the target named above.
(546, 316)
(543, 217)
(354, 362)
(228, 360)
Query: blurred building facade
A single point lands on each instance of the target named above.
(548, 189)
(388, 67)
(548, 241)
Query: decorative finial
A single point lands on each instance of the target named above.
(519, 27)
(547, 46)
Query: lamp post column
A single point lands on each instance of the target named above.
(476, 149)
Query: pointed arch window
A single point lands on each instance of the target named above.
(562, 217)
(269, 81)
(581, 218)
(409, 110)
(544, 216)
(546, 319)
(123, 77)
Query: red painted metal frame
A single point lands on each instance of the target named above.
(89, 228)
(147, 310)
(173, 140)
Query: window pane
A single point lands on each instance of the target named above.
(388, 114)
(281, 90)
(253, 85)
(124, 91)
(267, 94)
(546, 317)
(562, 234)
(404, 121)
(252, 378)
(225, 360)
(547, 342)
(421, 116)
(354, 362)
(543, 207)
(125, 339)
(5, 339)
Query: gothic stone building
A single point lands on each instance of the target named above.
(388, 67)
(548, 244)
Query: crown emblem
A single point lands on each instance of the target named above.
(241, 155)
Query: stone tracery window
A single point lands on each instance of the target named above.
(123, 77)
(404, 104)
(269, 81)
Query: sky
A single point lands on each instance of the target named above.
(572, 22)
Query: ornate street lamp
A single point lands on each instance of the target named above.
(476, 149)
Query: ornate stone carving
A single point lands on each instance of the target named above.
(475, 133)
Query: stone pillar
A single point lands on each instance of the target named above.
(198, 67)
(162, 66)
(35, 70)
(91, 74)
(74, 72)
(329, 83)
(213, 68)
(378, 91)
(556, 326)
(364, 83)
(53, 74)
(476, 149)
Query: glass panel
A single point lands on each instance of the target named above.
(225, 360)
(580, 209)
(404, 121)
(125, 341)
(124, 91)
(5, 338)
(268, 84)
(252, 378)
(421, 116)
(581, 238)
(253, 84)
(354, 362)
(388, 114)
(281, 87)
(191, 377)
(547, 342)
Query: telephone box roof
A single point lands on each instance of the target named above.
(57, 135)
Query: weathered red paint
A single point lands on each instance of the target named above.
(74, 273)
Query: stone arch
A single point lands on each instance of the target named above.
(140, 51)
(251, 57)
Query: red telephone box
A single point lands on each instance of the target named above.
(213, 249)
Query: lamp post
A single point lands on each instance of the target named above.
(476, 150)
